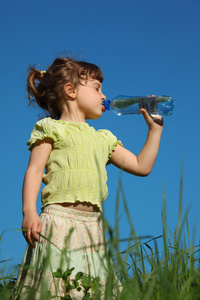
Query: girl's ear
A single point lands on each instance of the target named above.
(70, 91)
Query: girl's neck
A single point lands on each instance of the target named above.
(71, 114)
(71, 119)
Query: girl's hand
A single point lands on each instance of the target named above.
(152, 121)
(33, 225)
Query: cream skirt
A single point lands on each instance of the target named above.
(71, 242)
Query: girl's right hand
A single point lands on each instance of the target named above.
(33, 225)
(152, 120)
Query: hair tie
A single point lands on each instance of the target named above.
(42, 72)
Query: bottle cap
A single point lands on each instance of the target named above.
(106, 104)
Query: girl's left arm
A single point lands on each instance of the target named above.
(142, 164)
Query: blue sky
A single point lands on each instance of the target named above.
(143, 47)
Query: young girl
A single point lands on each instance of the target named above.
(74, 156)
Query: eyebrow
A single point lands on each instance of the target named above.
(98, 84)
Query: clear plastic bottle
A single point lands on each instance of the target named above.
(155, 105)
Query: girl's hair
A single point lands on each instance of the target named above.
(46, 88)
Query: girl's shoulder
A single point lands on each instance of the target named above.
(108, 137)
(44, 128)
(106, 134)
(46, 125)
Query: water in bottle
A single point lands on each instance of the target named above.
(154, 105)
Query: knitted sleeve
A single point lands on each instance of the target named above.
(42, 129)
(110, 140)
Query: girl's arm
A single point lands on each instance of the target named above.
(142, 164)
(31, 187)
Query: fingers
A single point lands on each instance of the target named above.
(146, 115)
(28, 237)
(35, 236)
(35, 230)
(31, 235)
(150, 119)
(157, 119)
(31, 225)
(39, 227)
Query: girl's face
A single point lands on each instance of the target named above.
(89, 99)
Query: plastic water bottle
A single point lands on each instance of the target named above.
(154, 105)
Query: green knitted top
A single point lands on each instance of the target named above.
(75, 170)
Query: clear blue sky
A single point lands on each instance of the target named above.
(143, 47)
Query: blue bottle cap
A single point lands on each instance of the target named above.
(106, 104)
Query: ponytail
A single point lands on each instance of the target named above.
(34, 77)
(38, 91)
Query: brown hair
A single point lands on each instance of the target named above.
(47, 88)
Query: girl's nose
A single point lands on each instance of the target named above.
(103, 97)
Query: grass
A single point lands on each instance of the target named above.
(145, 272)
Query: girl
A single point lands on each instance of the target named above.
(75, 156)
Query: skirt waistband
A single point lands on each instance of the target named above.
(71, 213)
